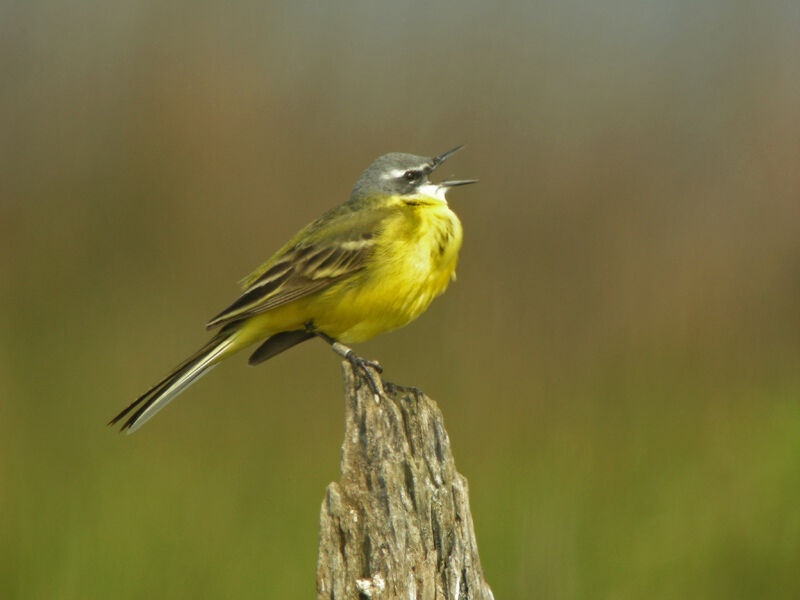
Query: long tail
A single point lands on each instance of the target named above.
(189, 371)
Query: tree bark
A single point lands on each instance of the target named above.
(398, 524)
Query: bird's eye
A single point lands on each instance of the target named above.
(412, 175)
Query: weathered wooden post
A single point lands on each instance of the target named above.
(397, 524)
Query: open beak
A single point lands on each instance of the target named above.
(457, 182)
(438, 160)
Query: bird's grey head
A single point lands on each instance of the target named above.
(404, 175)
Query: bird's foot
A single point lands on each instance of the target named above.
(394, 388)
(368, 371)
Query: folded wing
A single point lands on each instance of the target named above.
(329, 251)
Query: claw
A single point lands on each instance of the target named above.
(365, 370)
(403, 389)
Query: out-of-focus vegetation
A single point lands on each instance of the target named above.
(617, 362)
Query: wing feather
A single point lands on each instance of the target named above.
(315, 259)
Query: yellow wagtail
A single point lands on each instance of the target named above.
(369, 265)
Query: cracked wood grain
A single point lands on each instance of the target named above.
(398, 523)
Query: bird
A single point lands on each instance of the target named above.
(369, 265)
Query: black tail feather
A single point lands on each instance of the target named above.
(143, 402)
(277, 344)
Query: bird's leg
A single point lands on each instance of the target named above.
(364, 369)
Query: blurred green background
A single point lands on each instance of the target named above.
(617, 362)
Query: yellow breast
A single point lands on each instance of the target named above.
(414, 261)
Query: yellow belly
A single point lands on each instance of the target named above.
(414, 263)
(381, 302)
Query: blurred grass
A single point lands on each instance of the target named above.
(617, 362)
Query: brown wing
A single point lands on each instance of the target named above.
(299, 271)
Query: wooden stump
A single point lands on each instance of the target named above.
(398, 524)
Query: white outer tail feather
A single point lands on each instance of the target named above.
(180, 384)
